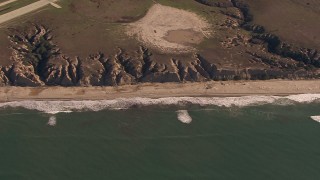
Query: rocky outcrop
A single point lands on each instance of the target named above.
(116, 73)
(24, 75)
(191, 70)
(217, 3)
(244, 8)
(122, 69)
(37, 62)
(276, 46)
(33, 46)
(32, 49)
(4, 80)
(160, 72)
(134, 62)
(91, 71)
(253, 28)
(61, 70)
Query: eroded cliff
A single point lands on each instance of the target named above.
(38, 61)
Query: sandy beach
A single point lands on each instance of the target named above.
(159, 90)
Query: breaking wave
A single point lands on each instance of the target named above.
(54, 107)
(316, 118)
(52, 121)
(184, 116)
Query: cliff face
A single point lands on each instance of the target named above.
(92, 72)
(3, 78)
(61, 70)
(124, 67)
(23, 75)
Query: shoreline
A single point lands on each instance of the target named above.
(163, 90)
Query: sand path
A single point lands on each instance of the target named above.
(7, 2)
(24, 10)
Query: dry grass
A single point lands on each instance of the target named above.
(295, 21)
(83, 27)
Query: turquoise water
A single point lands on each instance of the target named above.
(149, 143)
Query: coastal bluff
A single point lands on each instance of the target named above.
(37, 61)
(225, 45)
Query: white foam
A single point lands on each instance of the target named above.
(316, 118)
(52, 121)
(57, 112)
(184, 116)
(53, 107)
(304, 98)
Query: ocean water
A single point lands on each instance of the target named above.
(245, 138)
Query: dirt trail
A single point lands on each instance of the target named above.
(170, 29)
(24, 10)
(7, 2)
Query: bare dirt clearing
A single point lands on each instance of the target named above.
(170, 30)
(186, 37)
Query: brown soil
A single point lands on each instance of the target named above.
(185, 37)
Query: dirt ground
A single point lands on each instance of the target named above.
(170, 29)
(186, 37)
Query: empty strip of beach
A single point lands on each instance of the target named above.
(161, 90)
